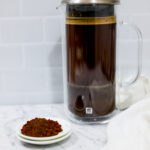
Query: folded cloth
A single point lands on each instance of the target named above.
(130, 130)
(133, 93)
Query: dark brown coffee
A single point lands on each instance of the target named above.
(91, 59)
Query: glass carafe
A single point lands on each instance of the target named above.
(89, 48)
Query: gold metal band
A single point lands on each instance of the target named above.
(90, 20)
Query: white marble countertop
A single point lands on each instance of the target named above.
(84, 137)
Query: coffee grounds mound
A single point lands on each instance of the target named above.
(41, 127)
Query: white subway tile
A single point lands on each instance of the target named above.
(33, 80)
(10, 57)
(146, 50)
(135, 6)
(127, 59)
(25, 81)
(47, 97)
(31, 98)
(21, 30)
(9, 8)
(12, 98)
(127, 51)
(43, 55)
(40, 7)
(146, 55)
(53, 29)
(55, 79)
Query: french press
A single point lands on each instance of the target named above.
(89, 47)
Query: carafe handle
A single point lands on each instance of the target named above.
(139, 56)
(126, 84)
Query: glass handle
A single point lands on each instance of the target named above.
(139, 51)
(125, 84)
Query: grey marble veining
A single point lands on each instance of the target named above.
(84, 137)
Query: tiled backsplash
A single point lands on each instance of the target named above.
(30, 48)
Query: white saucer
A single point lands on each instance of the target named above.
(44, 142)
(65, 126)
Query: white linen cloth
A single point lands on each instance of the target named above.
(130, 130)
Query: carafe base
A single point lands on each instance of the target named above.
(91, 120)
